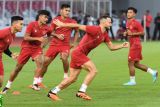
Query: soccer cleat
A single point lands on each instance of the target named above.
(83, 95)
(35, 87)
(41, 85)
(4, 91)
(130, 83)
(53, 96)
(155, 76)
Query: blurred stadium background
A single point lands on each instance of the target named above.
(84, 11)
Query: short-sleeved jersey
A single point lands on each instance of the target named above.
(35, 31)
(6, 37)
(93, 37)
(134, 26)
(66, 31)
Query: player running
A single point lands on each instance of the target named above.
(94, 36)
(35, 35)
(134, 31)
(60, 43)
(6, 37)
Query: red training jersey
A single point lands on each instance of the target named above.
(6, 37)
(134, 26)
(93, 37)
(66, 31)
(35, 31)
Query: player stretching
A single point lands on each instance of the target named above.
(93, 37)
(31, 46)
(6, 37)
(60, 44)
(134, 31)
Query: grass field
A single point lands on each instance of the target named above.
(106, 89)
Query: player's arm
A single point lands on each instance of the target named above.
(59, 36)
(113, 47)
(71, 25)
(129, 33)
(10, 54)
(29, 38)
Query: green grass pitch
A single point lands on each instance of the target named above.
(106, 90)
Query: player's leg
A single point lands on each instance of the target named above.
(50, 55)
(38, 61)
(64, 58)
(1, 73)
(92, 71)
(22, 60)
(65, 83)
(131, 73)
(154, 73)
(12, 77)
(1, 80)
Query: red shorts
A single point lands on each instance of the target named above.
(78, 58)
(135, 53)
(26, 53)
(53, 51)
(1, 66)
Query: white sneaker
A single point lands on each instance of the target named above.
(130, 83)
(155, 76)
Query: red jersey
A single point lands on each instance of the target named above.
(134, 26)
(35, 31)
(66, 31)
(6, 37)
(93, 37)
(148, 20)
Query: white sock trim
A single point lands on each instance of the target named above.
(83, 88)
(9, 83)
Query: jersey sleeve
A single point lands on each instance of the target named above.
(92, 30)
(76, 28)
(107, 39)
(3, 34)
(29, 28)
(139, 27)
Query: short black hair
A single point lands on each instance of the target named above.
(65, 6)
(15, 18)
(105, 17)
(44, 12)
(132, 8)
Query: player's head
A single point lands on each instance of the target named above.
(131, 12)
(65, 10)
(106, 21)
(17, 23)
(43, 16)
(147, 12)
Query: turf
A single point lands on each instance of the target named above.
(106, 89)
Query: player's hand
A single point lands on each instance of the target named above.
(45, 42)
(41, 39)
(125, 45)
(58, 23)
(72, 46)
(15, 56)
(125, 34)
(60, 36)
(129, 33)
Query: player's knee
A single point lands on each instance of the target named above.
(64, 58)
(92, 70)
